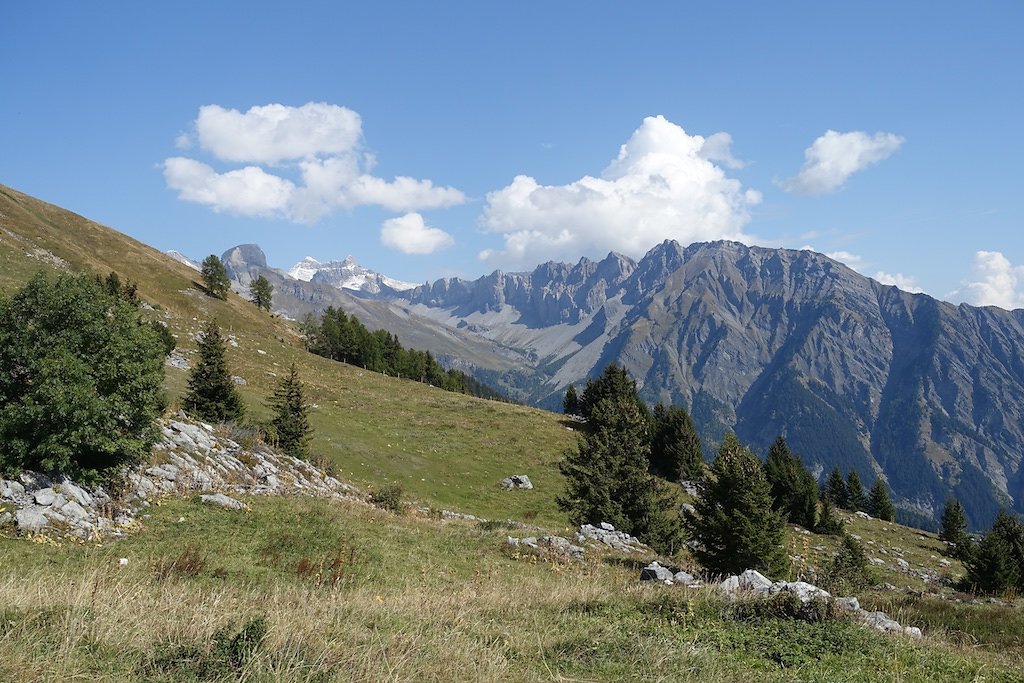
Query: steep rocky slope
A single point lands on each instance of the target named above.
(775, 341)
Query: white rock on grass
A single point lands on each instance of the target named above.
(223, 501)
(31, 519)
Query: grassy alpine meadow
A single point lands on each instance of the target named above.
(446, 450)
(298, 589)
(311, 590)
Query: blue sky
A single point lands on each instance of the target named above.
(431, 139)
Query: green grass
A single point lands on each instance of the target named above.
(417, 599)
(348, 592)
(447, 451)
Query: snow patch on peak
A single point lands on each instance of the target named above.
(305, 269)
(346, 274)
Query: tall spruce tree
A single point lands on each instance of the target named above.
(879, 503)
(607, 477)
(733, 523)
(261, 292)
(794, 489)
(290, 424)
(676, 451)
(954, 526)
(835, 490)
(215, 277)
(855, 499)
(614, 383)
(571, 402)
(212, 394)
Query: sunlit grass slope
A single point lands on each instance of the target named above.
(448, 450)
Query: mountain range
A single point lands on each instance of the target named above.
(854, 373)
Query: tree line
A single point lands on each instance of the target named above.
(626, 456)
(343, 337)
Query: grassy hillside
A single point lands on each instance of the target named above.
(447, 450)
(350, 593)
(311, 590)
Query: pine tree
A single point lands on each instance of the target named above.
(855, 499)
(879, 503)
(212, 394)
(996, 565)
(794, 489)
(261, 292)
(733, 523)
(607, 480)
(614, 383)
(835, 490)
(291, 416)
(828, 522)
(571, 402)
(676, 451)
(954, 527)
(215, 277)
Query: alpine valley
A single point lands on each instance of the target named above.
(760, 341)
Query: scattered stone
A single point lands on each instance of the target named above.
(31, 519)
(238, 380)
(123, 562)
(606, 534)
(516, 481)
(45, 496)
(178, 361)
(755, 581)
(683, 579)
(223, 501)
(655, 572)
(903, 564)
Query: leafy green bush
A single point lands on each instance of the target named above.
(389, 497)
(82, 379)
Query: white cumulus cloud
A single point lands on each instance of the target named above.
(834, 157)
(854, 261)
(275, 132)
(248, 191)
(411, 235)
(994, 281)
(663, 184)
(319, 145)
(907, 283)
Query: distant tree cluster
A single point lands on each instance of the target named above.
(81, 376)
(849, 495)
(342, 337)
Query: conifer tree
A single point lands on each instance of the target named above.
(571, 402)
(835, 490)
(855, 499)
(733, 523)
(212, 394)
(607, 478)
(794, 489)
(996, 565)
(291, 416)
(215, 277)
(261, 292)
(828, 522)
(879, 503)
(954, 526)
(676, 451)
(614, 383)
